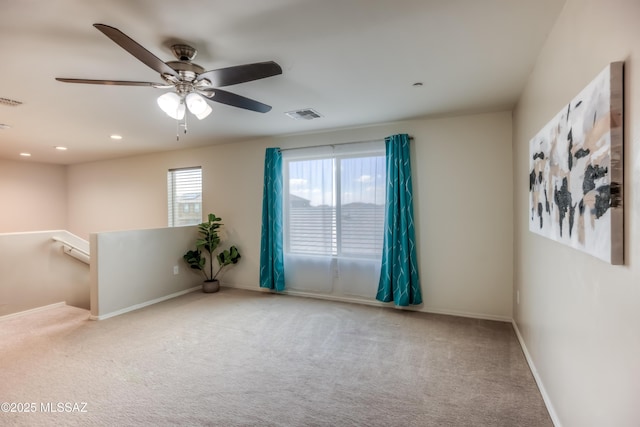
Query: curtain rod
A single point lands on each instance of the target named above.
(339, 143)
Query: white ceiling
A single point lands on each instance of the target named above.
(354, 61)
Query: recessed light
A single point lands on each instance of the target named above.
(60, 148)
(116, 137)
(25, 154)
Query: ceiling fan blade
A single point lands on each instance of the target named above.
(135, 49)
(234, 100)
(114, 82)
(241, 73)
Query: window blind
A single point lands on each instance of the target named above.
(184, 190)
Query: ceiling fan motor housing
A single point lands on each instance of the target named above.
(187, 70)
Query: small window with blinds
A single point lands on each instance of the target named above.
(335, 204)
(184, 188)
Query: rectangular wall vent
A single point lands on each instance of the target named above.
(305, 114)
(9, 102)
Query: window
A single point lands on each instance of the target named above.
(184, 196)
(334, 207)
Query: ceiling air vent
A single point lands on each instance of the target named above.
(9, 102)
(306, 114)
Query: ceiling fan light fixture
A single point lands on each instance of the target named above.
(197, 105)
(205, 113)
(172, 104)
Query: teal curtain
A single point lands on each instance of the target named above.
(271, 254)
(399, 280)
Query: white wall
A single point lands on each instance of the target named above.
(462, 179)
(36, 272)
(123, 194)
(131, 269)
(579, 316)
(34, 196)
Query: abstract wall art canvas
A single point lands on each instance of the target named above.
(575, 171)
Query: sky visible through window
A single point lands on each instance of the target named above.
(362, 180)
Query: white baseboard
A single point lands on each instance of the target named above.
(33, 310)
(480, 316)
(144, 304)
(376, 303)
(536, 376)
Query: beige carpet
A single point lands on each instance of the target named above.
(240, 358)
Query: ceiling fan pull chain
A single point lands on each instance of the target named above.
(185, 124)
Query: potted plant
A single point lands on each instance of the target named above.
(205, 248)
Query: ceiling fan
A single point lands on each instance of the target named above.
(191, 83)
